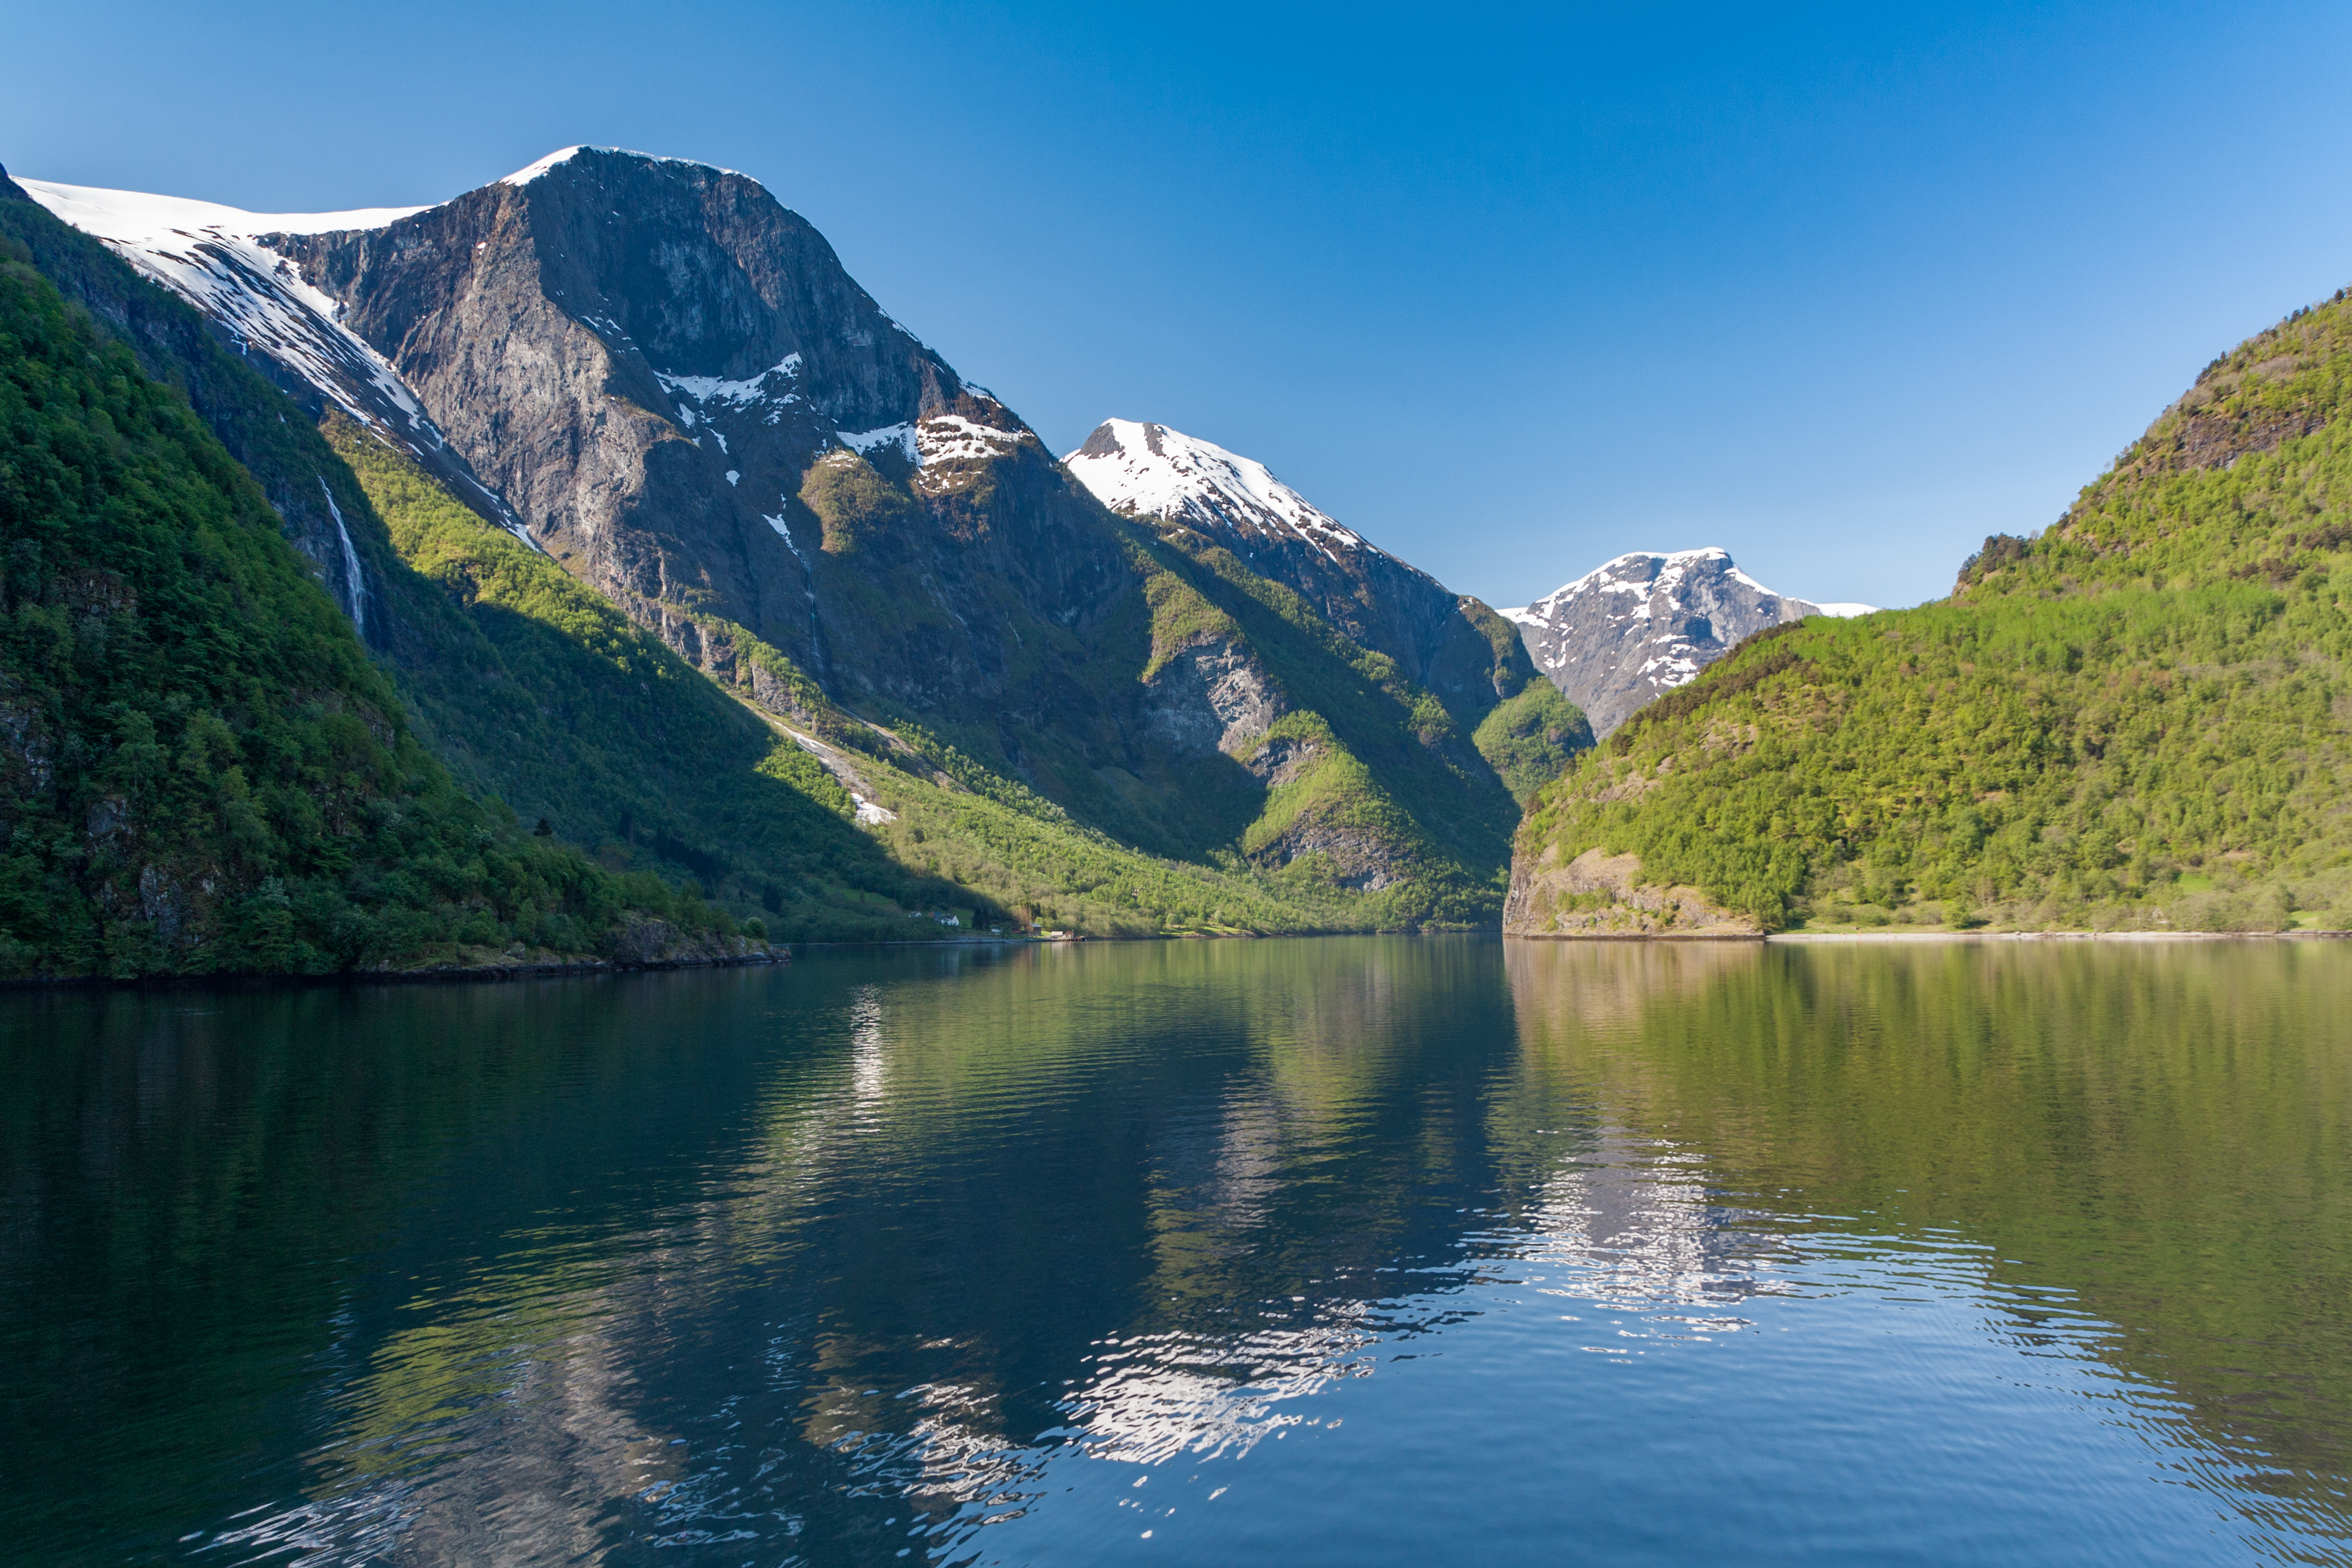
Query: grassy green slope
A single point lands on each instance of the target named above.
(2136, 719)
(200, 768)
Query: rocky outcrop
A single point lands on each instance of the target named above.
(1214, 697)
(1647, 622)
(1598, 895)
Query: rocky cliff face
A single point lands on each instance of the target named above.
(688, 401)
(1454, 644)
(1646, 623)
(1600, 896)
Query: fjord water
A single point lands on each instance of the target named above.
(1382, 1250)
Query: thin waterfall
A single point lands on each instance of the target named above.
(352, 579)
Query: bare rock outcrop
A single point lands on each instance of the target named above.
(1599, 895)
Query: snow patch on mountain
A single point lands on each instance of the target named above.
(749, 389)
(864, 442)
(937, 438)
(951, 438)
(1141, 469)
(212, 256)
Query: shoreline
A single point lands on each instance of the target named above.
(1831, 936)
(448, 974)
(1933, 936)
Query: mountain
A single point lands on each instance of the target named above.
(1646, 623)
(2140, 718)
(1202, 498)
(526, 684)
(200, 771)
(656, 379)
(1452, 645)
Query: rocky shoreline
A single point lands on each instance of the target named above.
(1902, 936)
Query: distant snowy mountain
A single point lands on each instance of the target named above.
(1648, 621)
(1454, 644)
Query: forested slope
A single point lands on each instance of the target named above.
(200, 771)
(2136, 719)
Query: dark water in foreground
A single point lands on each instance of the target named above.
(1377, 1251)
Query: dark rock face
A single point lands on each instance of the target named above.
(688, 401)
(1644, 623)
(1451, 643)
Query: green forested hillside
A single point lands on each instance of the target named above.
(2137, 719)
(201, 769)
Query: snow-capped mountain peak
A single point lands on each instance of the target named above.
(1647, 622)
(1141, 469)
(1222, 499)
(561, 155)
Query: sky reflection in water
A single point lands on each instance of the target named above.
(1387, 1250)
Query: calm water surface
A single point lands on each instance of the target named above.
(1349, 1251)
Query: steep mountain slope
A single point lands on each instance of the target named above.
(1646, 623)
(2140, 718)
(1202, 498)
(693, 409)
(200, 771)
(279, 327)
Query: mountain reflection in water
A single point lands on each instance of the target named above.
(1378, 1250)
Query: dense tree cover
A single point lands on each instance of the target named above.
(2137, 719)
(200, 768)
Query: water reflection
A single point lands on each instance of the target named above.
(1273, 1250)
(2140, 1152)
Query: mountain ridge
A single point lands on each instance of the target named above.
(821, 516)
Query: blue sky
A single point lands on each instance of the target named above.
(1509, 291)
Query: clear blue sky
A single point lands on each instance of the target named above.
(1508, 290)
